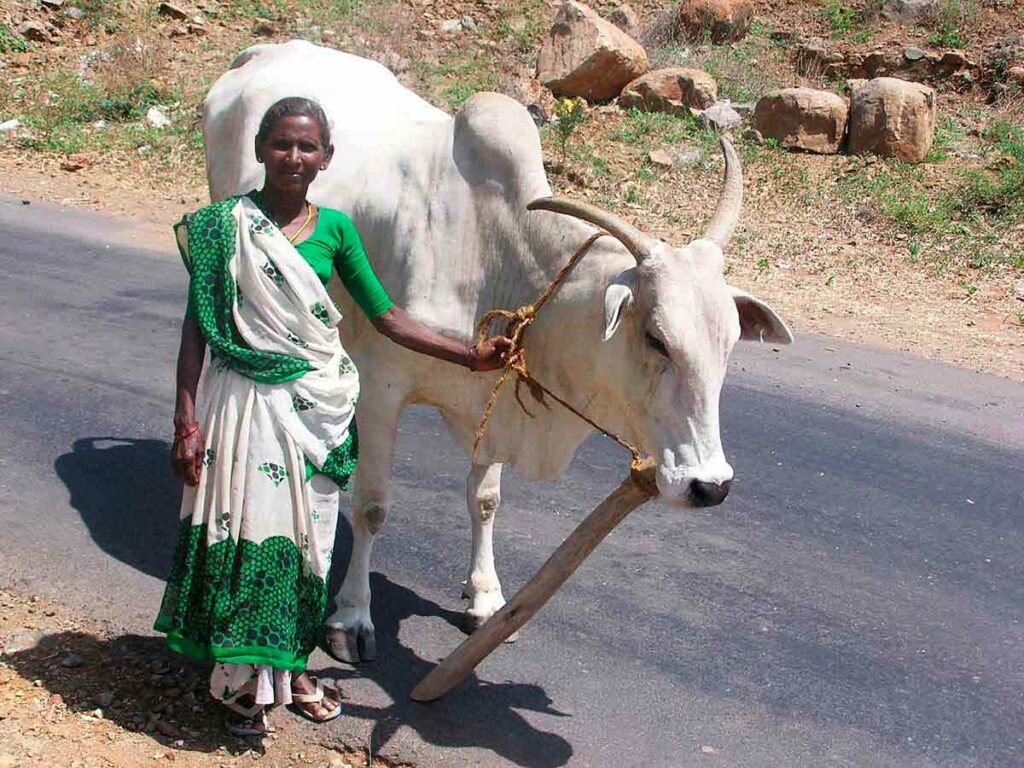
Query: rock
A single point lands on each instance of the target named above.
(803, 118)
(74, 13)
(955, 60)
(914, 53)
(35, 31)
(99, 124)
(24, 639)
(692, 157)
(725, 20)
(744, 108)
(104, 699)
(815, 58)
(893, 118)
(173, 11)
(263, 28)
(909, 10)
(661, 157)
(451, 25)
(1015, 75)
(56, 699)
(584, 55)
(468, 22)
(626, 19)
(10, 125)
(74, 163)
(155, 118)
(673, 90)
(1018, 290)
(54, 4)
(721, 117)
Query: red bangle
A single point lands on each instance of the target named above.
(179, 436)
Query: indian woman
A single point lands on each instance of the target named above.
(264, 427)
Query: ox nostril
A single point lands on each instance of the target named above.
(704, 494)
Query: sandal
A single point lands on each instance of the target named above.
(250, 721)
(319, 696)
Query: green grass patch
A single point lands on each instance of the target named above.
(11, 42)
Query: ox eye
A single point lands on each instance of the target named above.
(656, 344)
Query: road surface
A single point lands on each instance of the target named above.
(858, 600)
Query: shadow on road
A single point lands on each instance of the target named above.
(127, 497)
(476, 714)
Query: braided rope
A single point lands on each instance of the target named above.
(519, 321)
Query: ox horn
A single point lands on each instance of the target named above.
(727, 215)
(636, 242)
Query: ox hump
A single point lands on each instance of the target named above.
(496, 133)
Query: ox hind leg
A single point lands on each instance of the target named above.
(483, 590)
(349, 630)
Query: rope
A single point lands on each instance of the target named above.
(519, 322)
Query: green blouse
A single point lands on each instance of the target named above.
(335, 245)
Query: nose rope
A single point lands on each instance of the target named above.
(519, 321)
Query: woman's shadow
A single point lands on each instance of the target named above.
(127, 497)
(125, 493)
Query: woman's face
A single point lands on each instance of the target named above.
(293, 153)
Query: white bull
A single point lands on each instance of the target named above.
(639, 336)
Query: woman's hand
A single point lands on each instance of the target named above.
(187, 455)
(490, 354)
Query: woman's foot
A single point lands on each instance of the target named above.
(244, 718)
(313, 700)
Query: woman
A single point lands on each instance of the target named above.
(264, 435)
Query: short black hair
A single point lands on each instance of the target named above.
(295, 106)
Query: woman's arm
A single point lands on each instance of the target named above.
(189, 443)
(402, 328)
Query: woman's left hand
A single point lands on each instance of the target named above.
(490, 354)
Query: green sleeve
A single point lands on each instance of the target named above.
(357, 274)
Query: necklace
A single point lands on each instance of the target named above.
(310, 208)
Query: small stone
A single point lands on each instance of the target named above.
(25, 639)
(155, 118)
(721, 117)
(661, 157)
(914, 54)
(263, 28)
(707, 749)
(33, 30)
(171, 10)
(99, 125)
(690, 158)
(51, 3)
(56, 700)
(538, 113)
(451, 25)
(1018, 290)
(144, 150)
(104, 699)
(468, 22)
(74, 13)
(73, 660)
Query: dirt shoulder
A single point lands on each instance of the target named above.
(72, 693)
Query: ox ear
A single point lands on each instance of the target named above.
(618, 299)
(758, 321)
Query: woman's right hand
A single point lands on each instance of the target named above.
(187, 456)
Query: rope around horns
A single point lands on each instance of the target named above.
(519, 322)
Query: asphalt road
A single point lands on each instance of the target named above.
(858, 600)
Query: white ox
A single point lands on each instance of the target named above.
(639, 336)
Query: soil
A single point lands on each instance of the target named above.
(818, 259)
(77, 695)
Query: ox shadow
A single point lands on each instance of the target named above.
(477, 714)
(125, 494)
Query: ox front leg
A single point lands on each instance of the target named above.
(349, 630)
(483, 590)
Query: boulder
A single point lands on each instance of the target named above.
(584, 55)
(803, 118)
(625, 18)
(725, 20)
(893, 118)
(673, 90)
(910, 11)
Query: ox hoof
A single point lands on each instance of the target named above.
(471, 622)
(352, 644)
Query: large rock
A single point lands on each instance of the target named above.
(725, 20)
(626, 19)
(803, 118)
(584, 55)
(893, 118)
(913, 11)
(673, 90)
